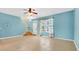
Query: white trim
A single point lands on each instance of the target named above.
(69, 40)
(11, 37)
(64, 39)
(63, 11)
(76, 46)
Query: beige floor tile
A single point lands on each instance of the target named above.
(36, 43)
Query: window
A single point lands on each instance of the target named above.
(50, 27)
(46, 27)
(43, 27)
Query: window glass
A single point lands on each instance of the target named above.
(46, 27)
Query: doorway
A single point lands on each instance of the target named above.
(43, 27)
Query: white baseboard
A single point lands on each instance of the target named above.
(11, 37)
(64, 39)
(76, 46)
(69, 40)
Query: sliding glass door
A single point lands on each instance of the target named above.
(43, 27)
(51, 32)
(46, 27)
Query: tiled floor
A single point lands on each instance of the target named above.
(36, 43)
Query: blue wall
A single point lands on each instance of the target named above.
(10, 25)
(76, 29)
(64, 25)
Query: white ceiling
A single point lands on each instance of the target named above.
(41, 11)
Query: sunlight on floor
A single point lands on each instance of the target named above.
(36, 43)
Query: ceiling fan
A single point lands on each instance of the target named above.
(30, 11)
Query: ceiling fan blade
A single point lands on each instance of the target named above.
(34, 13)
(30, 10)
